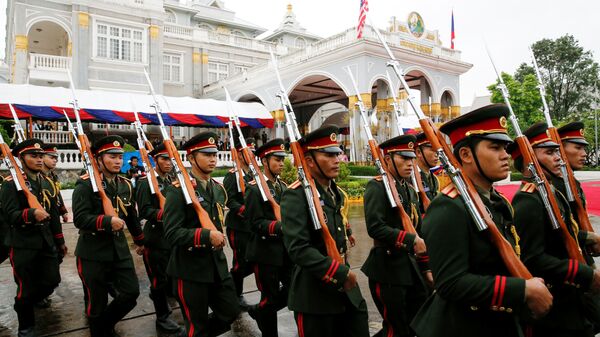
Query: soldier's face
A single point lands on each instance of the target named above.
(493, 159)
(33, 161)
(50, 161)
(404, 165)
(275, 164)
(164, 164)
(427, 156)
(134, 162)
(549, 158)
(576, 154)
(112, 162)
(328, 162)
(205, 162)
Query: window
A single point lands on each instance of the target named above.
(119, 43)
(172, 67)
(300, 42)
(171, 17)
(217, 71)
(239, 69)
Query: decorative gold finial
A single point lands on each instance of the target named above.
(289, 8)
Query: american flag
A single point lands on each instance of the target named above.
(452, 35)
(362, 16)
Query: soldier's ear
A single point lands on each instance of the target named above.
(466, 155)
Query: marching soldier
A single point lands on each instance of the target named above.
(427, 159)
(324, 293)
(475, 296)
(4, 249)
(197, 264)
(156, 247)
(103, 256)
(543, 248)
(272, 265)
(34, 237)
(396, 284)
(237, 223)
(50, 161)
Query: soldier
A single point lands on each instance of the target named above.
(396, 286)
(427, 159)
(324, 293)
(103, 256)
(544, 251)
(475, 296)
(272, 265)
(156, 247)
(4, 249)
(197, 264)
(50, 161)
(238, 226)
(34, 235)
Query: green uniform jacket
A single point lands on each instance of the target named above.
(389, 260)
(60, 203)
(97, 241)
(316, 278)
(236, 217)
(3, 224)
(474, 294)
(24, 232)
(149, 209)
(266, 242)
(545, 255)
(192, 257)
(430, 183)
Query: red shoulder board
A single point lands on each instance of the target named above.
(232, 170)
(252, 182)
(450, 191)
(295, 185)
(85, 176)
(176, 183)
(528, 187)
(378, 178)
(8, 178)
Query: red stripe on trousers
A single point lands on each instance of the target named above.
(378, 293)
(236, 264)
(19, 281)
(186, 310)
(300, 325)
(88, 310)
(150, 273)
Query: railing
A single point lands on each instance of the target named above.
(54, 137)
(178, 31)
(71, 159)
(142, 4)
(49, 62)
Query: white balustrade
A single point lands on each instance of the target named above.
(54, 137)
(49, 62)
(178, 31)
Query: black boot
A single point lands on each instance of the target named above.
(27, 332)
(217, 327)
(166, 324)
(97, 328)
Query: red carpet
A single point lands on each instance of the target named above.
(590, 188)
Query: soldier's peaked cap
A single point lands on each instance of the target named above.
(274, 147)
(203, 142)
(422, 139)
(489, 122)
(250, 142)
(403, 145)
(32, 145)
(50, 149)
(109, 144)
(573, 133)
(159, 151)
(323, 139)
(538, 136)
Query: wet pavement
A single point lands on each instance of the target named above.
(65, 316)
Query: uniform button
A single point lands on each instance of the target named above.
(190, 249)
(494, 308)
(502, 309)
(474, 308)
(509, 310)
(339, 229)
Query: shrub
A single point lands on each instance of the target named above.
(360, 170)
(289, 173)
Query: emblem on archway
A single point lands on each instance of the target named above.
(416, 25)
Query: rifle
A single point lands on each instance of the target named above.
(464, 186)
(19, 132)
(86, 153)
(144, 145)
(415, 176)
(182, 175)
(239, 172)
(533, 166)
(308, 184)
(388, 181)
(261, 182)
(566, 170)
(17, 175)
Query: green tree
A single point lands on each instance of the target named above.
(570, 74)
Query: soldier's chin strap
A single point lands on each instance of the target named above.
(312, 154)
(425, 157)
(268, 166)
(472, 147)
(398, 176)
(198, 166)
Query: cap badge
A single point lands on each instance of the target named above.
(282, 147)
(411, 145)
(211, 140)
(581, 132)
(116, 143)
(37, 145)
(503, 122)
(333, 137)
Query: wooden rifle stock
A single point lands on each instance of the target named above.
(238, 166)
(330, 244)
(203, 216)
(512, 262)
(582, 215)
(107, 205)
(422, 195)
(32, 200)
(573, 249)
(151, 175)
(249, 157)
(406, 221)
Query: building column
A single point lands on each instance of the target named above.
(20, 68)
(454, 111)
(279, 124)
(155, 56)
(196, 72)
(357, 137)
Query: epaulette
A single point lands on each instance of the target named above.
(214, 181)
(85, 176)
(283, 182)
(295, 185)
(252, 182)
(528, 187)
(232, 170)
(176, 183)
(8, 178)
(450, 191)
(378, 178)
(124, 178)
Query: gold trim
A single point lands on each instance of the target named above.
(21, 42)
(204, 58)
(483, 132)
(83, 19)
(154, 31)
(196, 58)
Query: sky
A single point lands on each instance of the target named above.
(508, 27)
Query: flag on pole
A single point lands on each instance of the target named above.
(452, 35)
(362, 17)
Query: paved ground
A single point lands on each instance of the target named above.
(65, 317)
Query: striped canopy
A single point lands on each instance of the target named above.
(48, 103)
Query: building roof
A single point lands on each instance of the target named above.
(290, 25)
(214, 11)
